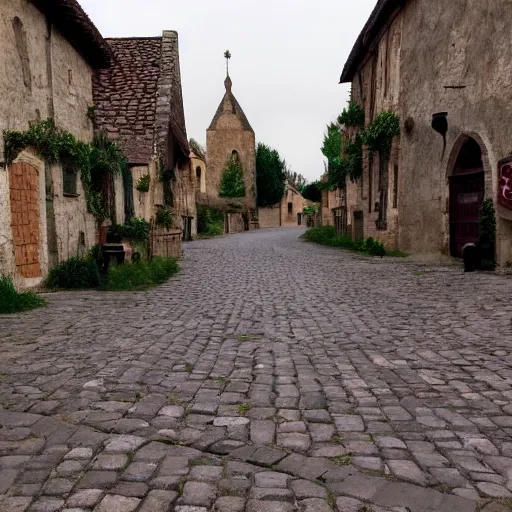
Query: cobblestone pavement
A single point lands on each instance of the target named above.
(270, 375)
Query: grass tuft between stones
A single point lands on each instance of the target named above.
(13, 301)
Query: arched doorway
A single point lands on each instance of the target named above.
(467, 192)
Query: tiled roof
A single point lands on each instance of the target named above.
(129, 101)
(233, 105)
(380, 15)
(74, 24)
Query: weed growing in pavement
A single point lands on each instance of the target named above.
(12, 301)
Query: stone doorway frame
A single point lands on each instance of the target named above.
(449, 170)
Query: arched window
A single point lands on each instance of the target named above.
(198, 173)
(235, 156)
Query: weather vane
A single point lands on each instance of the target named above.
(227, 56)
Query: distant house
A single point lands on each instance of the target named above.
(138, 102)
(288, 212)
(429, 61)
(51, 50)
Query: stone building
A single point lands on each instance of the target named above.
(138, 102)
(230, 136)
(289, 212)
(420, 58)
(198, 168)
(50, 50)
(332, 208)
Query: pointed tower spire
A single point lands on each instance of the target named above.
(227, 56)
(227, 83)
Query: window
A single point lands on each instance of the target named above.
(235, 156)
(198, 174)
(70, 77)
(69, 178)
(290, 208)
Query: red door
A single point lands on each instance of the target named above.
(466, 196)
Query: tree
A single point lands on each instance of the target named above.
(270, 175)
(197, 149)
(331, 149)
(313, 192)
(294, 179)
(232, 181)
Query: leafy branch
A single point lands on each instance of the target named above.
(352, 116)
(94, 161)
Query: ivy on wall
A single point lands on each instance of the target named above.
(352, 116)
(95, 162)
(143, 183)
(232, 181)
(379, 135)
(345, 158)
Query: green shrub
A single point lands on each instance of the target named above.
(164, 218)
(96, 255)
(140, 275)
(135, 230)
(326, 235)
(75, 273)
(210, 222)
(12, 301)
(374, 247)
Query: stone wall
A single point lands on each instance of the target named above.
(330, 199)
(440, 50)
(298, 203)
(270, 217)
(376, 86)
(198, 169)
(143, 201)
(47, 77)
(184, 189)
(75, 227)
(235, 222)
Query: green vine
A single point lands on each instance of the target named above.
(143, 183)
(164, 218)
(379, 135)
(94, 161)
(352, 116)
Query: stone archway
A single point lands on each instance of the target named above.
(467, 185)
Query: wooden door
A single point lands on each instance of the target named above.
(24, 198)
(466, 196)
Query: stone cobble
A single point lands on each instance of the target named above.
(270, 375)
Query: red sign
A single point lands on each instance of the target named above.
(505, 183)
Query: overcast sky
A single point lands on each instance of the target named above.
(287, 56)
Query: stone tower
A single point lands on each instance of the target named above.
(230, 135)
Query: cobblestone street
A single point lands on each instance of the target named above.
(270, 375)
